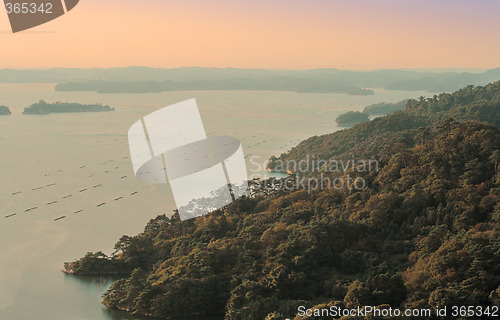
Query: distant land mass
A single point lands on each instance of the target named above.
(4, 110)
(272, 84)
(42, 107)
(194, 78)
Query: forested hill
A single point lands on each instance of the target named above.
(422, 233)
(372, 138)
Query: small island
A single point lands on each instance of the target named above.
(42, 107)
(4, 111)
(351, 118)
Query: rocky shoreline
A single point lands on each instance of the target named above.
(96, 264)
(71, 268)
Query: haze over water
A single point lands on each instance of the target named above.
(81, 160)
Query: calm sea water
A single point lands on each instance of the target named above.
(47, 162)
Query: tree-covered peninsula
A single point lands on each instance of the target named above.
(422, 233)
(384, 108)
(42, 107)
(351, 118)
(96, 264)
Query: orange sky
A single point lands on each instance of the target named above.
(295, 34)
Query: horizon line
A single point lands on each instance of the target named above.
(435, 69)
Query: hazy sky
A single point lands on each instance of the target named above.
(351, 34)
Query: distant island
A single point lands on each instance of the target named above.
(351, 118)
(4, 110)
(304, 85)
(42, 107)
